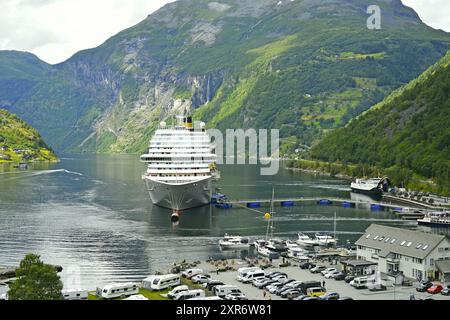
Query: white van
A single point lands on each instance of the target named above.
(242, 272)
(222, 291)
(117, 290)
(161, 282)
(190, 294)
(361, 282)
(177, 290)
(189, 273)
(207, 298)
(252, 275)
(75, 294)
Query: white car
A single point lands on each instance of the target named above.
(330, 275)
(236, 296)
(258, 280)
(201, 278)
(328, 270)
(280, 277)
(274, 287)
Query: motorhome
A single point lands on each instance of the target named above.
(161, 282)
(189, 294)
(118, 290)
(75, 294)
(222, 291)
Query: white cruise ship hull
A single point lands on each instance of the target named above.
(180, 196)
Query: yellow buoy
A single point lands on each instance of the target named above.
(267, 216)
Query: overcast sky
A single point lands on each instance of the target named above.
(56, 29)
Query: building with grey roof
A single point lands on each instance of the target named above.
(413, 253)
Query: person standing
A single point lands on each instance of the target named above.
(323, 283)
(264, 294)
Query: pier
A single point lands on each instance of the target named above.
(346, 203)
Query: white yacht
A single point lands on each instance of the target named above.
(306, 241)
(181, 165)
(234, 242)
(325, 240)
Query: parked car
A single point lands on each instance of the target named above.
(281, 277)
(446, 291)
(258, 280)
(328, 270)
(307, 265)
(213, 283)
(330, 296)
(308, 298)
(317, 269)
(275, 274)
(330, 275)
(236, 296)
(340, 276)
(424, 285)
(274, 287)
(301, 297)
(436, 288)
(266, 283)
(349, 278)
(201, 278)
(294, 294)
(286, 293)
(345, 298)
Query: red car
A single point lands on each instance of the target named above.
(436, 288)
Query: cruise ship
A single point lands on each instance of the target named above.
(181, 166)
(435, 219)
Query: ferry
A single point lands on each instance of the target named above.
(435, 219)
(373, 186)
(181, 166)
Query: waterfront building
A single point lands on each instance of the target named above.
(414, 254)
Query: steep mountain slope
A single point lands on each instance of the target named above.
(19, 72)
(20, 142)
(302, 66)
(409, 129)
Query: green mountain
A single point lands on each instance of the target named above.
(407, 130)
(19, 72)
(303, 66)
(20, 142)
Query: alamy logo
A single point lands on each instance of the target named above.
(374, 21)
(236, 145)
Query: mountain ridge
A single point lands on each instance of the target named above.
(305, 67)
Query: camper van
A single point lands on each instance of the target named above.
(222, 291)
(361, 282)
(177, 290)
(189, 294)
(161, 282)
(249, 277)
(242, 272)
(118, 290)
(75, 294)
(189, 273)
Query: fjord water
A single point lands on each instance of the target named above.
(93, 216)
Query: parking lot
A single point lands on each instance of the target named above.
(331, 285)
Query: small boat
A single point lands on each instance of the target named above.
(435, 219)
(234, 242)
(374, 186)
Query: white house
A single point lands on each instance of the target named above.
(413, 253)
